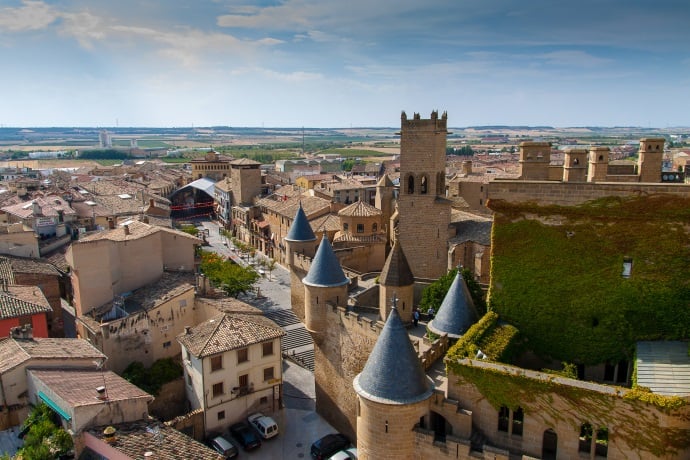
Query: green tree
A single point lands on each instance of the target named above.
(45, 440)
(433, 295)
(348, 164)
(152, 379)
(232, 278)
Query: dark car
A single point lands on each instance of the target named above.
(247, 437)
(329, 445)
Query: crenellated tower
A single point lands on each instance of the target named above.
(423, 210)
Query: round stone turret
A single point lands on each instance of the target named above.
(393, 392)
(300, 238)
(457, 311)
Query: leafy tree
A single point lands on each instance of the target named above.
(152, 380)
(348, 164)
(191, 229)
(232, 278)
(434, 293)
(45, 439)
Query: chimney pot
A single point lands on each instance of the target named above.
(126, 229)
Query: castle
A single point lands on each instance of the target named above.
(588, 269)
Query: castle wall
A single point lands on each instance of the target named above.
(369, 257)
(571, 193)
(635, 429)
(339, 357)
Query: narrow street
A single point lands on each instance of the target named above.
(298, 422)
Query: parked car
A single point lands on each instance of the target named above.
(266, 426)
(224, 447)
(247, 438)
(347, 454)
(329, 445)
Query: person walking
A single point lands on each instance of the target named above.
(415, 317)
(430, 313)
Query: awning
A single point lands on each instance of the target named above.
(54, 406)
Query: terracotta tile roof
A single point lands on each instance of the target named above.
(6, 271)
(78, 387)
(16, 351)
(224, 185)
(244, 161)
(136, 439)
(24, 265)
(471, 227)
(228, 332)
(229, 305)
(136, 230)
(359, 209)
(328, 222)
(49, 207)
(170, 285)
(22, 301)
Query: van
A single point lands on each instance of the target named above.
(266, 426)
(224, 447)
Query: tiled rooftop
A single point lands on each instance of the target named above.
(136, 230)
(78, 387)
(137, 439)
(229, 305)
(19, 301)
(359, 209)
(228, 332)
(15, 351)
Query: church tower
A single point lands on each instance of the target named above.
(393, 395)
(396, 281)
(325, 285)
(424, 212)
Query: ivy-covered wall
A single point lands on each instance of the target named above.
(556, 274)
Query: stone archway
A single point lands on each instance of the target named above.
(440, 426)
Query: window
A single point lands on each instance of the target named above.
(216, 363)
(242, 355)
(360, 228)
(345, 226)
(503, 419)
(221, 415)
(183, 302)
(166, 344)
(263, 400)
(601, 449)
(518, 418)
(267, 348)
(585, 441)
(189, 380)
(410, 185)
(268, 374)
(217, 389)
(423, 186)
(374, 227)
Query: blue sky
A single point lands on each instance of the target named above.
(342, 63)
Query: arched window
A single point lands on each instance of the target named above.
(585, 441)
(374, 227)
(345, 226)
(423, 186)
(410, 184)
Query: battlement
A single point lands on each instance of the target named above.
(417, 123)
(575, 193)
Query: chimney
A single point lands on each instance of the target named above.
(111, 223)
(102, 395)
(126, 229)
(152, 203)
(36, 209)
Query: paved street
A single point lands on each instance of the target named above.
(300, 425)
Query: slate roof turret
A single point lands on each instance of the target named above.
(396, 271)
(325, 270)
(300, 230)
(393, 373)
(457, 311)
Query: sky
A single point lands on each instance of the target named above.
(344, 63)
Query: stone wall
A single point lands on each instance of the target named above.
(340, 356)
(170, 400)
(575, 193)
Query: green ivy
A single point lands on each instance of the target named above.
(152, 379)
(498, 341)
(558, 277)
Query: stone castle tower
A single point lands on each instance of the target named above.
(393, 394)
(325, 285)
(385, 201)
(396, 281)
(423, 210)
(246, 180)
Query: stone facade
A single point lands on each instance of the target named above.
(423, 212)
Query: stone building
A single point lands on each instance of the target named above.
(562, 290)
(213, 166)
(423, 211)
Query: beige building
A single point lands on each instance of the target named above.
(119, 260)
(22, 352)
(213, 165)
(233, 367)
(361, 241)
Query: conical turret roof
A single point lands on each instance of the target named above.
(300, 230)
(393, 373)
(457, 312)
(396, 271)
(325, 270)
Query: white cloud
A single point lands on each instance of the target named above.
(32, 15)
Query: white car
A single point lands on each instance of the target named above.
(266, 426)
(346, 454)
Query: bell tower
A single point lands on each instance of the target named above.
(423, 210)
